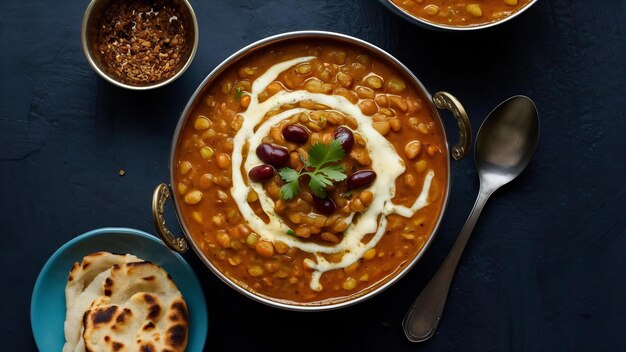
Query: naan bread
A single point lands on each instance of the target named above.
(141, 310)
(84, 284)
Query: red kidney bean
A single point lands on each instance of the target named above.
(345, 137)
(325, 206)
(274, 155)
(261, 173)
(295, 133)
(361, 179)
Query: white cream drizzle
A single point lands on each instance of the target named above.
(385, 162)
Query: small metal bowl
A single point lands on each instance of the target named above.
(89, 33)
(442, 27)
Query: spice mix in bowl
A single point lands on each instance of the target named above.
(139, 44)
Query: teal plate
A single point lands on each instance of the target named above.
(47, 306)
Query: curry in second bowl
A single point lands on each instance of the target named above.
(461, 13)
(310, 172)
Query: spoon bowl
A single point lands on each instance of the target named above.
(506, 141)
(505, 144)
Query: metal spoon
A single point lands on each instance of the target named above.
(505, 143)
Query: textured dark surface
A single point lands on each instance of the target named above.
(545, 269)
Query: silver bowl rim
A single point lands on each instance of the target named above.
(436, 26)
(234, 58)
(194, 48)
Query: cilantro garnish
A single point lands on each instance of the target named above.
(322, 175)
(238, 93)
(290, 232)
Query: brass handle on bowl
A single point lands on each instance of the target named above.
(445, 100)
(161, 195)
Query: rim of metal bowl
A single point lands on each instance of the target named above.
(87, 16)
(437, 26)
(244, 52)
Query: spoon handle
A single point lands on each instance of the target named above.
(424, 315)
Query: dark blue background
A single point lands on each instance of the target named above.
(545, 269)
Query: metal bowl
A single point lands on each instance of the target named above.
(442, 27)
(89, 33)
(440, 100)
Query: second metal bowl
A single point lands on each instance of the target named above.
(442, 27)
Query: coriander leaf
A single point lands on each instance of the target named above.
(318, 184)
(290, 190)
(238, 93)
(320, 154)
(321, 177)
(288, 174)
(290, 232)
(334, 172)
(292, 187)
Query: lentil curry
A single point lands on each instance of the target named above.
(310, 172)
(461, 13)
